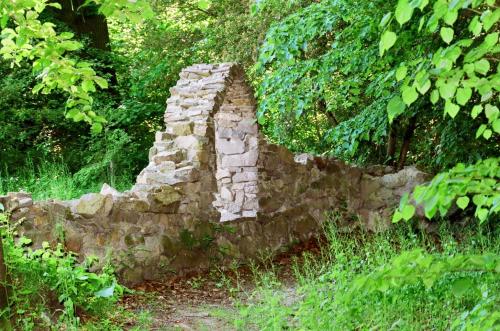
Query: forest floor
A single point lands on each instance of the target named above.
(204, 301)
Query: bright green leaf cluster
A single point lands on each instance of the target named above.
(30, 39)
(478, 183)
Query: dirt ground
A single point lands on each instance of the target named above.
(205, 301)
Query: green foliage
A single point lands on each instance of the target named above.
(456, 78)
(397, 280)
(25, 37)
(48, 286)
(319, 73)
(479, 181)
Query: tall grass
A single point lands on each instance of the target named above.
(323, 300)
(50, 180)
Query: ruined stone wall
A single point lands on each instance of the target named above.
(214, 190)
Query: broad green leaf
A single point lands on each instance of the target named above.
(463, 202)
(409, 94)
(101, 82)
(96, 128)
(480, 130)
(476, 110)
(106, 292)
(482, 66)
(434, 96)
(385, 19)
(482, 214)
(487, 134)
(448, 90)
(490, 18)
(463, 95)
(408, 212)
(387, 40)
(461, 286)
(451, 17)
(451, 109)
(496, 126)
(491, 112)
(88, 86)
(447, 34)
(475, 26)
(401, 73)
(395, 107)
(204, 4)
(397, 217)
(425, 87)
(403, 12)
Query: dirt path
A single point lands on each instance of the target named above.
(206, 301)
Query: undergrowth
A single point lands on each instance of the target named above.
(399, 280)
(53, 180)
(48, 289)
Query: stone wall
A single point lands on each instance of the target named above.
(214, 190)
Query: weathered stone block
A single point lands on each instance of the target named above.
(229, 147)
(93, 204)
(248, 159)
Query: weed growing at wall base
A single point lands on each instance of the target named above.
(48, 288)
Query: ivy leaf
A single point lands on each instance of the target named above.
(387, 40)
(395, 108)
(463, 202)
(463, 95)
(403, 11)
(447, 34)
(451, 109)
(409, 94)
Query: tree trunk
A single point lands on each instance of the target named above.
(86, 22)
(410, 130)
(391, 145)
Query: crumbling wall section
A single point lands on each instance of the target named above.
(214, 190)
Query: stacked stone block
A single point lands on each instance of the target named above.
(237, 150)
